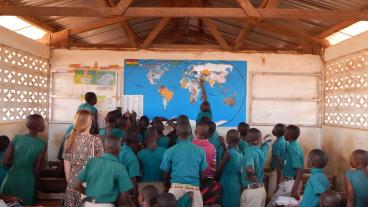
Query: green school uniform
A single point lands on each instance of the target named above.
(20, 180)
(278, 150)
(130, 161)
(243, 145)
(150, 160)
(105, 178)
(316, 185)
(359, 181)
(294, 158)
(184, 201)
(217, 143)
(231, 179)
(88, 107)
(163, 142)
(3, 170)
(185, 161)
(203, 114)
(256, 157)
(116, 132)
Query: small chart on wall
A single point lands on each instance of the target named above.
(172, 87)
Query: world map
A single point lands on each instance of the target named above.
(172, 87)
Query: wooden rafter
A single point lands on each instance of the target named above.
(271, 4)
(123, 6)
(212, 28)
(275, 13)
(335, 28)
(101, 3)
(161, 24)
(248, 8)
(97, 24)
(132, 36)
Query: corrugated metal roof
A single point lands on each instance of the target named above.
(230, 28)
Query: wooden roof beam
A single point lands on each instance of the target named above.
(97, 24)
(122, 6)
(248, 8)
(212, 28)
(132, 36)
(183, 12)
(148, 41)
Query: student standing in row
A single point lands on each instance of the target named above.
(243, 129)
(89, 105)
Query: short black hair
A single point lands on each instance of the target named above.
(145, 120)
(166, 200)
(122, 121)
(211, 128)
(233, 136)
(112, 116)
(330, 199)
(205, 106)
(90, 97)
(361, 156)
(318, 158)
(253, 135)
(279, 130)
(4, 142)
(158, 125)
(293, 131)
(32, 123)
(204, 129)
(243, 128)
(182, 130)
(150, 194)
(131, 136)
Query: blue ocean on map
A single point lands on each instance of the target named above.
(172, 87)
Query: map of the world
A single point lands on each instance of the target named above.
(172, 87)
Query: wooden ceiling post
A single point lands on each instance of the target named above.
(148, 41)
(132, 36)
(212, 28)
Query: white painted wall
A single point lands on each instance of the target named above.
(257, 62)
(340, 142)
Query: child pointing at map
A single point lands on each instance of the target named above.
(205, 106)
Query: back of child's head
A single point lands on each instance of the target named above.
(183, 119)
(292, 132)
(144, 121)
(130, 137)
(123, 122)
(211, 128)
(317, 158)
(158, 125)
(254, 136)
(166, 200)
(152, 135)
(148, 195)
(4, 143)
(202, 130)
(156, 118)
(279, 130)
(112, 116)
(359, 158)
(330, 199)
(90, 98)
(204, 119)
(112, 145)
(232, 137)
(243, 129)
(182, 130)
(205, 106)
(35, 122)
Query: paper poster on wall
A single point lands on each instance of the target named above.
(101, 80)
(171, 87)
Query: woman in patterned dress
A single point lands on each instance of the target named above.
(79, 148)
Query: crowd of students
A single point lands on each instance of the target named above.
(138, 162)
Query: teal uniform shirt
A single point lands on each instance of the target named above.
(150, 160)
(278, 150)
(219, 151)
(130, 161)
(185, 161)
(184, 201)
(204, 114)
(243, 145)
(105, 178)
(316, 185)
(116, 132)
(88, 107)
(255, 157)
(359, 181)
(163, 142)
(3, 170)
(294, 158)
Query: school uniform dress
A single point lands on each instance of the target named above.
(231, 179)
(130, 161)
(202, 114)
(116, 132)
(106, 178)
(294, 159)
(215, 140)
(163, 142)
(316, 185)
(243, 145)
(3, 170)
(86, 147)
(254, 194)
(278, 150)
(359, 181)
(150, 160)
(185, 161)
(20, 180)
